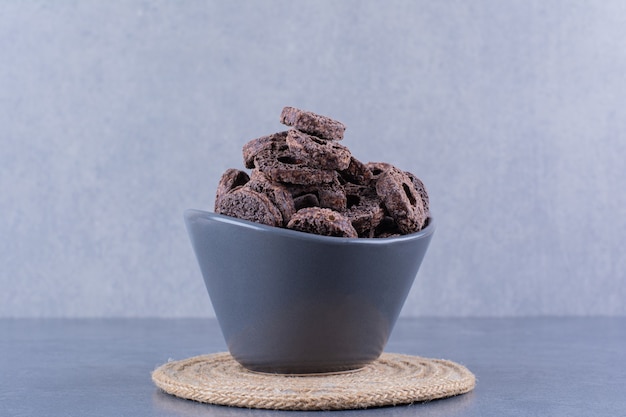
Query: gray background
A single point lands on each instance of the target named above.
(117, 116)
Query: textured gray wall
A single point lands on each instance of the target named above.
(117, 116)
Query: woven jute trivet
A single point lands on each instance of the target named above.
(393, 379)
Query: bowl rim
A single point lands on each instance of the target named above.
(195, 214)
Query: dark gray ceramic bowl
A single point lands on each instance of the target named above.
(294, 302)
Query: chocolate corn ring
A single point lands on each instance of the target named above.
(401, 200)
(319, 153)
(329, 195)
(322, 221)
(284, 166)
(313, 124)
(356, 173)
(273, 142)
(306, 200)
(387, 228)
(245, 203)
(421, 190)
(231, 178)
(364, 209)
(277, 193)
(378, 168)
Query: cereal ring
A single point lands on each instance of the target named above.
(421, 190)
(284, 166)
(356, 173)
(247, 204)
(313, 124)
(378, 168)
(319, 153)
(273, 142)
(387, 228)
(329, 195)
(277, 193)
(364, 209)
(306, 200)
(322, 221)
(401, 200)
(230, 179)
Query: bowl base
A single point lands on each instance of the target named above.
(323, 373)
(300, 370)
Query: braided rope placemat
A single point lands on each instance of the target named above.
(393, 379)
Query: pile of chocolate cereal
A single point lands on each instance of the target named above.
(304, 179)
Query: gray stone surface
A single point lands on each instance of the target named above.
(524, 366)
(117, 116)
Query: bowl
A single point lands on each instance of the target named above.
(298, 303)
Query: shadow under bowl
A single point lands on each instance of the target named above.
(299, 303)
